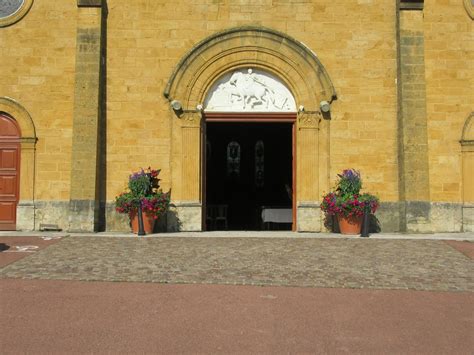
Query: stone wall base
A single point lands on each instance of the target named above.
(387, 218)
(25, 216)
(309, 217)
(468, 217)
(415, 217)
(426, 217)
(52, 212)
(420, 217)
(116, 222)
(83, 216)
(185, 217)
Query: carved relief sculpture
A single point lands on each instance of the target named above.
(249, 91)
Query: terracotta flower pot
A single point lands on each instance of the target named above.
(148, 222)
(350, 225)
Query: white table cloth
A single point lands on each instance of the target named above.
(277, 215)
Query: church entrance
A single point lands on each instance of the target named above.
(249, 172)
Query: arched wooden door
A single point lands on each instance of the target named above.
(9, 171)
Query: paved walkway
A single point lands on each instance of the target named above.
(466, 236)
(431, 265)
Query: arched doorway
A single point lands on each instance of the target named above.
(9, 171)
(238, 49)
(249, 171)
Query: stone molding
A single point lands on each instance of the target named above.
(21, 115)
(26, 141)
(17, 15)
(89, 3)
(411, 4)
(469, 6)
(308, 204)
(309, 119)
(28, 158)
(250, 46)
(467, 136)
(191, 118)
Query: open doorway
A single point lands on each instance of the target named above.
(249, 175)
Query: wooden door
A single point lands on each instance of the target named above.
(9, 171)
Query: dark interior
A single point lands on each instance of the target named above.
(244, 175)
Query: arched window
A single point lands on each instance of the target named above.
(233, 159)
(259, 164)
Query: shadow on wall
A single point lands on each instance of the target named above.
(172, 223)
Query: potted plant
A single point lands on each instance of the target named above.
(143, 192)
(347, 203)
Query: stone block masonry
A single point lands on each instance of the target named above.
(412, 121)
(84, 200)
(403, 95)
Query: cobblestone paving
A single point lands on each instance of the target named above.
(347, 263)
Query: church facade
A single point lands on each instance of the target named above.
(247, 105)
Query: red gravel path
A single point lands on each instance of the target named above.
(8, 251)
(80, 317)
(467, 248)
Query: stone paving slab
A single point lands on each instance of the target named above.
(16, 248)
(346, 263)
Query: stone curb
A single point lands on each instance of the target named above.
(245, 234)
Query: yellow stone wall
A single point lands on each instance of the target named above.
(449, 60)
(37, 63)
(354, 39)
(146, 40)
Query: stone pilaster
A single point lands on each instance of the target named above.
(186, 211)
(414, 193)
(84, 199)
(25, 219)
(308, 217)
(467, 149)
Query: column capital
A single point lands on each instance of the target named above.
(309, 119)
(191, 119)
(89, 3)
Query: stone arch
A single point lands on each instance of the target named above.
(25, 208)
(468, 130)
(469, 6)
(20, 114)
(250, 46)
(269, 51)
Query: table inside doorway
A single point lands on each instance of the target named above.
(276, 215)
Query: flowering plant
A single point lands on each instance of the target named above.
(143, 190)
(346, 199)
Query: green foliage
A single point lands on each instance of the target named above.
(346, 199)
(143, 191)
(349, 183)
